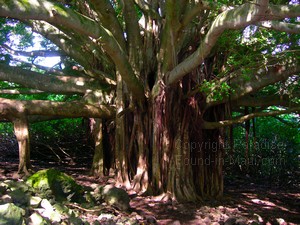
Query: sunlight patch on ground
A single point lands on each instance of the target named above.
(263, 202)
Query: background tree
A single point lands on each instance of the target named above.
(170, 73)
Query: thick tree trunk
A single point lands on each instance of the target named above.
(22, 134)
(187, 161)
(142, 133)
(97, 169)
(121, 137)
(161, 148)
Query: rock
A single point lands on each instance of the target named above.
(94, 186)
(13, 185)
(75, 221)
(258, 218)
(46, 205)
(6, 199)
(241, 221)
(107, 219)
(254, 223)
(34, 201)
(62, 209)
(206, 220)
(230, 221)
(53, 183)
(131, 221)
(2, 190)
(52, 215)
(11, 214)
(139, 217)
(150, 220)
(36, 219)
(116, 197)
(19, 197)
(281, 221)
(106, 216)
(55, 216)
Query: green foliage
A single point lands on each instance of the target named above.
(56, 130)
(6, 129)
(215, 90)
(273, 153)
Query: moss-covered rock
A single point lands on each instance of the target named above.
(37, 219)
(52, 183)
(19, 197)
(11, 214)
(116, 197)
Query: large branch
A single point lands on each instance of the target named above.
(109, 20)
(10, 109)
(169, 36)
(53, 13)
(147, 9)
(49, 83)
(277, 12)
(72, 47)
(224, 123)
(195, 10)
(281, 26)
(61, 16)
(265, 101)
(83, 51)
(255, 79)
(35, 53)
(18, 92)
(134, 39)
(242, 16)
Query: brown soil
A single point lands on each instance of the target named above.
(242, 198)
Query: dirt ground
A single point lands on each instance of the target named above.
(271, 205)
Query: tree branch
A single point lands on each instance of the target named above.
(109, 20)
(12, 108)
(277, 12)
(63, 41)
(36, 53)
(288, 123)
(248, 13)
(224, 123)
(265, 101)
(147, 9)
(168, 51)
(281, 26)
(49, 83)
(196, 9)
(18, 92)
(61, 16)
(134, 40)
(85, 52)
(53, 13)
(256, 79)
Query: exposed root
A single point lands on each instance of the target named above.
(97, 210)
(164, 197)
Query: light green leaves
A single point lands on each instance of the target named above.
(215, 90)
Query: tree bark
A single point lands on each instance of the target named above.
(97, 169)
(121, 139)
(187, 160)
(22, 134)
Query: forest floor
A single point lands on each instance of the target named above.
(243, 199)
